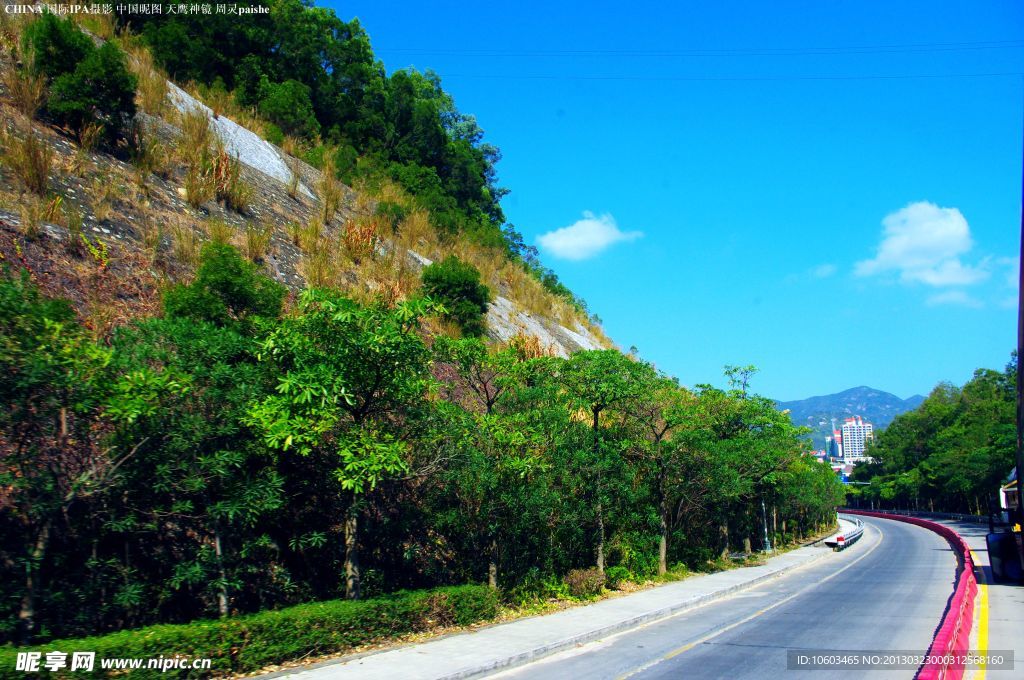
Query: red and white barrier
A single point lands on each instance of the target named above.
(954, 635)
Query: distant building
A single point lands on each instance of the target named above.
(856, 435)
(834, 445)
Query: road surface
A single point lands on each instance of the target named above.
(888, 592)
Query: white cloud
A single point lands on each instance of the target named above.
(1013, 270)
(924, 243)
(954, 297)
(823, 271)
(585, 237)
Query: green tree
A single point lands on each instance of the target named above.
(599, 381)
(55, 46)
(288, 105)
(456, 285)
(62, 401)
(99, 90)
(346, 376)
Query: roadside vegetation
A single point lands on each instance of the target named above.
(226, 457)
(951, 453)
(236, 456)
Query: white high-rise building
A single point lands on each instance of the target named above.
(856, 434)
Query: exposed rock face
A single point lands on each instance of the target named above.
(504, 320)
(247, 146)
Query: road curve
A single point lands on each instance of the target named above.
(887, 592)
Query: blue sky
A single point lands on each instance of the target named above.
(755, 183)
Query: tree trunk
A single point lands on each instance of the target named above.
(775, 521)
(352, 552)
(222, 589)
(492, 567)
(723, 539)
(600, 510)
(27, 611)
(746, 545)
(663, 541)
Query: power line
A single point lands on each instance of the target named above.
(911, 48)
(928, 76)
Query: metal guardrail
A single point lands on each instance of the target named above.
(845, 539)
(956, 517)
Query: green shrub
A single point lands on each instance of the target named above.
(273, 134)
(99, 90)
(456, 284)
(391, 213)
(227, 290)
(248, 643)
(617, 575)
(56, 46)
(345, 161)
(584, 582)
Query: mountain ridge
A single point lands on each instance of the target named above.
(877, 407)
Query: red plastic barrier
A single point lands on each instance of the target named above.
(954, 635)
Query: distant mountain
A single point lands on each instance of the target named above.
(875, 406)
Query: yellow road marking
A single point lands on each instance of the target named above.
(685, 648)
(982, 602)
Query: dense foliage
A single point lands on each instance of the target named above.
(225, 458)
(457, 286)
(951, 453)
(315, 77)
(88, 84)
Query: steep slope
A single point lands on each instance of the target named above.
(147, 233)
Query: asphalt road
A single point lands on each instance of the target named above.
(887, 592)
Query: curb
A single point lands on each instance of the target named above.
(617, 627)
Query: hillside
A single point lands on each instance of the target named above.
(138, 206)
(877, 407)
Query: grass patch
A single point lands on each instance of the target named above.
(29, 158)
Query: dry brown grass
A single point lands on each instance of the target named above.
(30, 158)
(103, 191)
(257, 240)
(31, 216)
(151, 94)
(185, 242)
(329, 190)
(359, 237)
(73, 220)
(27, 91)
(318, 268)
(89, 137)
(229, 187)
(219, 231)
